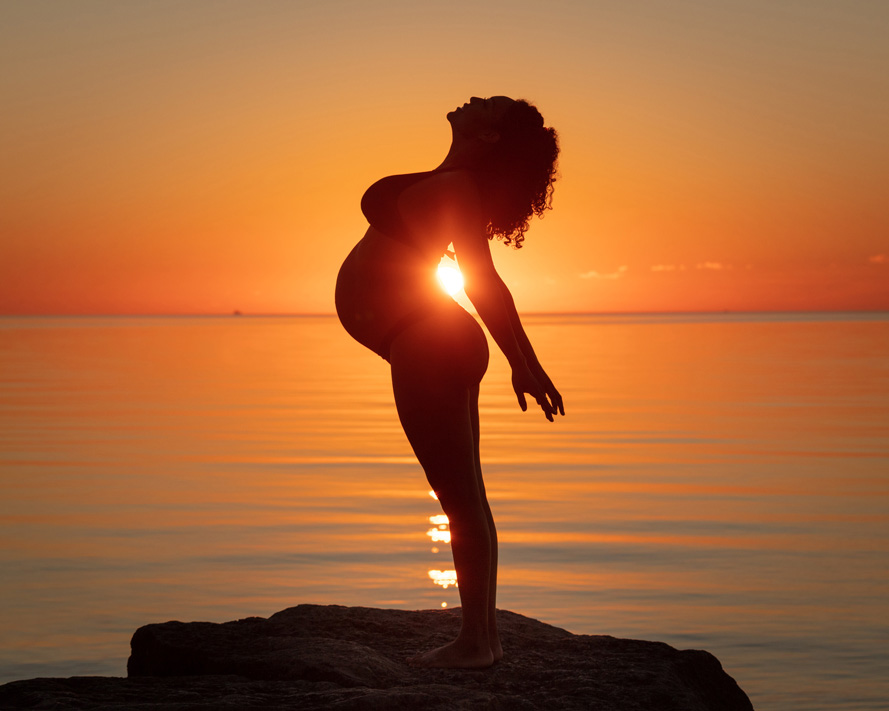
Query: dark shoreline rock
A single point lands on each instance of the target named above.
(352, 658)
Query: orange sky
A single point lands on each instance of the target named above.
(202, 157)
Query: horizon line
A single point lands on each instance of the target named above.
(319, 314)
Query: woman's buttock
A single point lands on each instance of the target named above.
(446, 340)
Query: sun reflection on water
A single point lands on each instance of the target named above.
(440, 533)
(445, 578)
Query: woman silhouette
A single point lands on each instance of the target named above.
(498, 172)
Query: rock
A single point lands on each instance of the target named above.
(353, 659)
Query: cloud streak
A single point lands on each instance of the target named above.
(705, 266)
(714, 266)
(621, 270)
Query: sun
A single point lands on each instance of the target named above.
(449, 277)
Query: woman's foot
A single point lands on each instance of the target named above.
(456, 655)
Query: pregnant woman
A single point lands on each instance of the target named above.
(498, 172)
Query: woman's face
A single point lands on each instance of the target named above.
(478, 118)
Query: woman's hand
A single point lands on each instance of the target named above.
(555, 398)
(540, 387)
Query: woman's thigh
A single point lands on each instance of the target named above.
(433, 369)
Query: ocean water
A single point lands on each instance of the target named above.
(719, 482)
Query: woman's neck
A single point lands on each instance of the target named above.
(464, 153)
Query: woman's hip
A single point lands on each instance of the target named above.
(445, 340)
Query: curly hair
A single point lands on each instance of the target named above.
(519, 173)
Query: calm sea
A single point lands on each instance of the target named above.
(719, 482)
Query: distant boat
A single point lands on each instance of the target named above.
(236, 313)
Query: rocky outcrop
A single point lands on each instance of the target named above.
(351, 658)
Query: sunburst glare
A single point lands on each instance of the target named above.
(449, 277)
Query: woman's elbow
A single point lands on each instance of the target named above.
(481, 287)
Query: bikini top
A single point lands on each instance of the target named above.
(380, 203)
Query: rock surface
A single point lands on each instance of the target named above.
(352, 658)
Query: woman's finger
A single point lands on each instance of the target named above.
(557, 402)
(522, 402)
(545, 405)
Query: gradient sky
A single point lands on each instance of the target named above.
(202, 157)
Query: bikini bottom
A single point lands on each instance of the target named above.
(401, 325)
(456, 343)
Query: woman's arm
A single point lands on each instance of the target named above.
(497, 310)
(460, 221)
(517, 328)
(530, 357)
(485, 290)
(496, 307)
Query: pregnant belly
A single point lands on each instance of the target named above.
(373, 295)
